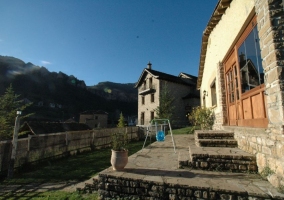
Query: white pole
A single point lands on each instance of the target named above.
(14, 145)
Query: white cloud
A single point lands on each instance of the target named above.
(43, 62)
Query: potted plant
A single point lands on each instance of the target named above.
(119, 155)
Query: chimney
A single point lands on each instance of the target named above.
(242, 57)
(149, 65)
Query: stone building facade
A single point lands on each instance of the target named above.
(256, 114)
(182, 88)
(94, 118)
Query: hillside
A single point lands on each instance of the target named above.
(57, 96)
(115, 91)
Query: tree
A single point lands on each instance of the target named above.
(9, 105)
(166, 109)
(121, 122)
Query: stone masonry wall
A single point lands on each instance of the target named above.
(127, 188)
(269, 151)
(269, 146)
(220, 117)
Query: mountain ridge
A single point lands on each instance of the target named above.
(38, 84)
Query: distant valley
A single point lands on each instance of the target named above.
(58, 97)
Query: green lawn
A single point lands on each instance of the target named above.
(74, 168)
(186, 130)
(53, 195)
(79, 168)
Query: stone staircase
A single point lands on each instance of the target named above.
(217, 151)
(215, 139)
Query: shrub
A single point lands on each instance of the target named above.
(119, 141)
(201, 117)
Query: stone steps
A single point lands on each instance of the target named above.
(216, 151)
(213, 138)
(216, 143)
(221, 159)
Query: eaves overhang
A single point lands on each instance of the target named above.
(220, 9)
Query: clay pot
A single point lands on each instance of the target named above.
(119, 159)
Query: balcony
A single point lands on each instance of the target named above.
(146, 89)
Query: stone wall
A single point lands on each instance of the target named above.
(269, 146)
(148, 105)
(179, 114)
(110, 187)
(269, 150)
(220, 116)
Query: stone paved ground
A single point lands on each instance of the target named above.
(158, 162)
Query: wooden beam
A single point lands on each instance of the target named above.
(225, 4)
(221, 11)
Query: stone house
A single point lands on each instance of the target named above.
(241, 77)
(94, 118)
(182, 88)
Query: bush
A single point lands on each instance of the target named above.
(201, 117)
(119, 141)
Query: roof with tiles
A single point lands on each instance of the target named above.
(163, 76)
(35, 128)
(92, 112)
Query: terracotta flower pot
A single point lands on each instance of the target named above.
(119, 159)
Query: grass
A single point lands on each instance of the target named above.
(186, 130)
(52, 195)
(74, 168)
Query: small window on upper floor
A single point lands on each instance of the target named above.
(150, 82)
(143, 100)
(152, 97)
(213, 93)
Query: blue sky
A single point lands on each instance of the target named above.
(105, 40)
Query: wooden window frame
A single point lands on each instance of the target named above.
(247, 114)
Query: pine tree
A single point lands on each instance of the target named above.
(166, 109)
(121, 121)
(9, 105)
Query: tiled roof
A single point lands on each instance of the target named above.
(91, 112)
(36, 128)
(162, 76)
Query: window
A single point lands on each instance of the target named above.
(142, 118)
(152, 98)
(96, 117)
(150, 82)
(143, 100)
(251, 70)
(213, 93)
(152, 115)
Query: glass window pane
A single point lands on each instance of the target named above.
(251, 70)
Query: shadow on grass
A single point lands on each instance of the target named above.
(45, 180)
(73, 168)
